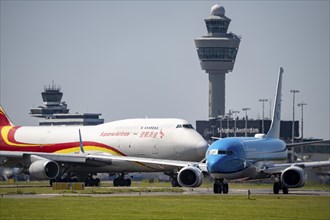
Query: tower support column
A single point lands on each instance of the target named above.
(217, 54)
(217, 93)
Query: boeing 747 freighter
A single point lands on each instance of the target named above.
(55, 153)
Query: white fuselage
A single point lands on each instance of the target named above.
(171, 139)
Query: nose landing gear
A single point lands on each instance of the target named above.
(220, 186)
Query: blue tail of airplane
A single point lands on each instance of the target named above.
(274, 131)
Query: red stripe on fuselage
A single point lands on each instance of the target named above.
(45, 148)
(11, 135)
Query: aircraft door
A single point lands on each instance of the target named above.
(155, 150)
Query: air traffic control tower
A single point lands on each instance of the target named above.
(217, 53)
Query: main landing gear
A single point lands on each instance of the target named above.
(278, 186)
(175, 182)
(121, 181)
(90, 181)
(174, 178)
(220, 186)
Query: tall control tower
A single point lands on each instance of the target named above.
(217, 53)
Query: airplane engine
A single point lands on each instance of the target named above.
(44, 169)
(190, 176)
(293, 177)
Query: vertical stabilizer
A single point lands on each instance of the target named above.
(274, 131)
(4, 120)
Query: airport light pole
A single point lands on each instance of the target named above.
(220, 117)
(235, 112)
(213, 126)
(302, 119)
(293, 91)
(263, 113)
(302, 127)
(228, 118)
(246, 109)
(290, 149)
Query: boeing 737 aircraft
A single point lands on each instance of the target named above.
(243, 158)
(57, 153)
(258, 157)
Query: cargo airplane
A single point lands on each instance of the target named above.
(242, 158)
(61, 154)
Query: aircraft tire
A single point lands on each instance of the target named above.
(115, 183)
(276, 187)
(128, 182)
(225, 188)
(285, 190)
(97, 182)
(217, 188)
(175, 182)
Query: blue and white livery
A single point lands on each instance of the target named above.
(257, 157)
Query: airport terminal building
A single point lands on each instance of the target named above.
(242, 128)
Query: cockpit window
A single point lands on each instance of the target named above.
(189, 126)
(224, 152)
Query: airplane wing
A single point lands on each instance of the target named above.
(302, 144)
(18, 155)
(148, 161)
(88, 159)
(278, 168)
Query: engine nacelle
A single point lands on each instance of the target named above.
(190, 176)
(293, 177)
(44, 169)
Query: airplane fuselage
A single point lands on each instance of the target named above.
(149, 138)
(240, 158)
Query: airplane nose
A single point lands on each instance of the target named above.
(213, 164)
(202, 147)
(224, 164)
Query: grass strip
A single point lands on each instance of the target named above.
(168, 207)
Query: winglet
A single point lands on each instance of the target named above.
(82, 150)
(274, 131)
(4, 120)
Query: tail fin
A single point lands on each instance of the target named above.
(274, 131)
(4, 120)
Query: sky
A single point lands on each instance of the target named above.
(128, 59)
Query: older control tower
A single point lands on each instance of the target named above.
(217, 53)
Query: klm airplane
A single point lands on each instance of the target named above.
(258, 157)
